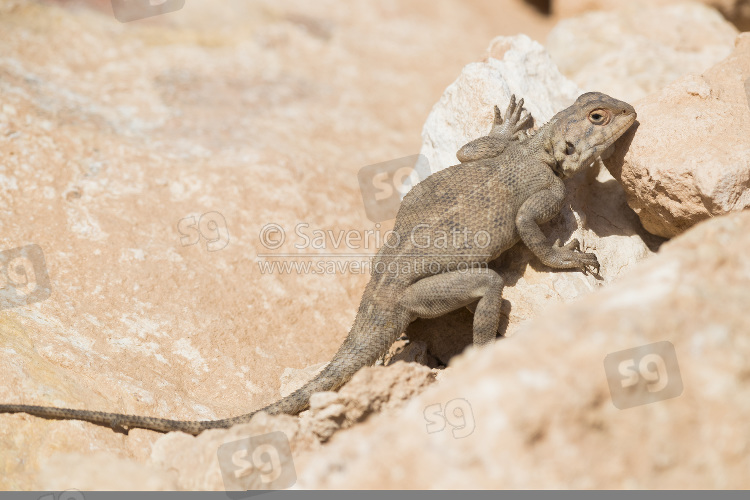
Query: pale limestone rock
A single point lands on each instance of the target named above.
(102, 471)
(111, 134)
(540, 405)
(595, 210)
(372, 390)
(735, 11)
(195, 460)
(638, 49)
(413, 352)
(292, 379)
(184, 462)
(689, 158)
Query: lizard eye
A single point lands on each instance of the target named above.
(599, 117)
(569, 148)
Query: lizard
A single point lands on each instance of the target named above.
(514, 185)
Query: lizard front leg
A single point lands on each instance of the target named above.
(503, 132)
(513, 128)
(538, 209)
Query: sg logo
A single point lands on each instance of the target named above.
(643, 375)
(211, 226)
(23, 277)
(382, 185)
(261, 462)
(457, 414)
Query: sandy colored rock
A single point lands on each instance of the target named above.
(595, 210)
(183, 462)
(118, 140)
(689, 158)
(736, 11)
(292, 379)
(540, 407)
(637, 49)
(195, 460)
(373, 390)
(103, 472)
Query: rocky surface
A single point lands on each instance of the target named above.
(541, 407)
(146, 160)
(116, 139)
(689, 158)
(180, 461)
(736, 11)
(637, 49)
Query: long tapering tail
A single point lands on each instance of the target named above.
(361, 348)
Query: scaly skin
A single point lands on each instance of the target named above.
(447, 229)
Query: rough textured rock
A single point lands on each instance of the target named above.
(374, 389)
(194, 460)
(638, 49)
(736, 11)
(690, 156)
(540, 402)
(103, 471)
(595, 210)
(111, 134)
(184, 462)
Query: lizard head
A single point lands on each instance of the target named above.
(586, 130)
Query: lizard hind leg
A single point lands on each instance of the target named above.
(442, 293)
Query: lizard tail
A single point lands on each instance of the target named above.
(368, 340)
(361, 348)
(117, 421)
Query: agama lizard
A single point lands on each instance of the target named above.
(507, 185)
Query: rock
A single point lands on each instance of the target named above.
(540, 405)
(689, 158)
(184, 462)
(595, 210)
(292, 379)
(735, 11)
(372, 390)
(194, 461)
(413, 352)
(637, 49)
(102, 471)
(116, 140)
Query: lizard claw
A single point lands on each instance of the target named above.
(572, 257)
(513, 126)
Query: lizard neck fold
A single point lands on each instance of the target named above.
(541, 145)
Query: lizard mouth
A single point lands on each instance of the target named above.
(607, 147)
(620, 130)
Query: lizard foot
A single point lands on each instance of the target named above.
(569, 256)
(513, 126)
